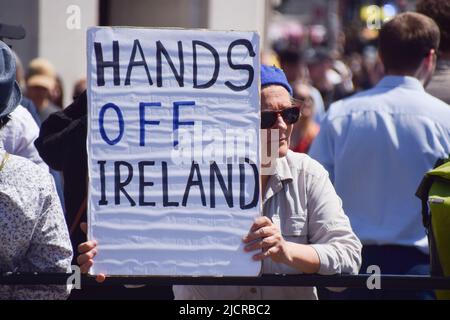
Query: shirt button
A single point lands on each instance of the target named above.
(253, 290)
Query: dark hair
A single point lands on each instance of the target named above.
(439, 11)
(406, 39)
(4, 120)
(289, 56)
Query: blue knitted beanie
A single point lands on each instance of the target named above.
(271, 75)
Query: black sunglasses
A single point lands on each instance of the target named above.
(289, 115)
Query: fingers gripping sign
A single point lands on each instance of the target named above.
(87, 251)
(266, 236)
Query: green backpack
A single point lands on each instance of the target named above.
(434, 191)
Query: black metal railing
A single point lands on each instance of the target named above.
(348, 281)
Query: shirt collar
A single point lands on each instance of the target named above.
(282, 174)
(400, 81)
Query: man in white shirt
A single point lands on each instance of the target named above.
(377, 145)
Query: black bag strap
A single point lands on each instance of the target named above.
(422, 194)
(81, 211)
(76, 221)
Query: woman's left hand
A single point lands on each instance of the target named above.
(266, 236)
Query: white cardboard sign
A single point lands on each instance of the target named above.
(173, 150)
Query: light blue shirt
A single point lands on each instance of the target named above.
(376, 146)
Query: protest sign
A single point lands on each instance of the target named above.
(173, 150)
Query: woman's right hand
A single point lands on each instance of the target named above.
(88, 251)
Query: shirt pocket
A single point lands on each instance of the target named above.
(295, 228)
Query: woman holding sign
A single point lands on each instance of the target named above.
(303, 229)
